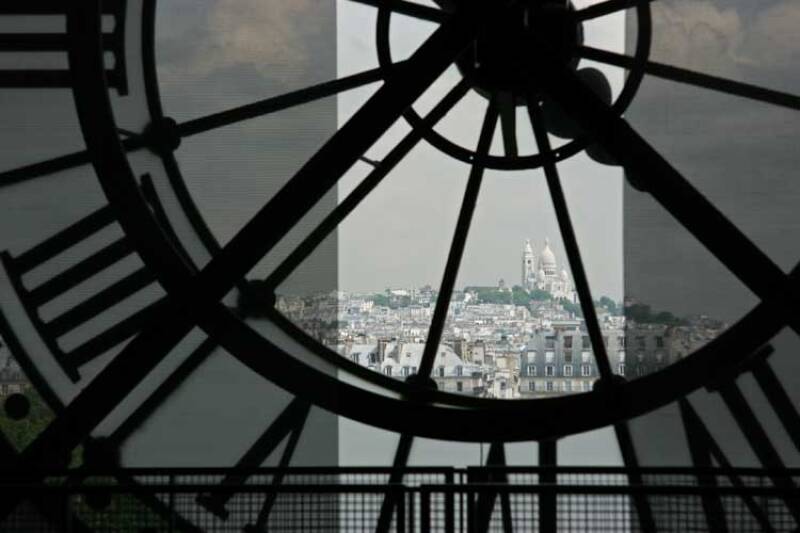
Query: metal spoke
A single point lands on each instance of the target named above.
(607, 8)
(459, 242)
(205, 123)
(697, 79)
(146, 350)
(408, 8)
(570, 241)
(324, 169)
(508, 123)
(382, 169)
(399, 464)
(674, 192)
(57, 164)
(279, 103)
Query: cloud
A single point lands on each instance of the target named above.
(278, 39)
(701, 35)
(695, 34)
(773, 37)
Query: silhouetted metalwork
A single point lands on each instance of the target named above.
(412, 408)
(431, 499)
(112, 42)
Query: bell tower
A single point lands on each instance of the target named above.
(528, 266)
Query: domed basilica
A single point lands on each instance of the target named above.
(542, 273)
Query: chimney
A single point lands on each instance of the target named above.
(382, 345)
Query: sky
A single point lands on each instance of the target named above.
(214, 54)
(399, 236)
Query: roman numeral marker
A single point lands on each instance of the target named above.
(90, 308)
(33, 42)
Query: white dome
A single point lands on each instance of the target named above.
(547, 258)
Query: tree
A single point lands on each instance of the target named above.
(380, 299)
(570, 307)
(539, 295)
(609, 304)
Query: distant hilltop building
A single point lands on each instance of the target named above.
(542, 273)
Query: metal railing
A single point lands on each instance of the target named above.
(429, 499)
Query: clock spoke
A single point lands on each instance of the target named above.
(149, 406)
(607, 8)
(751, 426)
(630, 459)
(328, 165)
(459, 242)
(289, 424)
(705, 451)
(382, 169)
(674, 192)
(508, 122)
(697, 79)
(60, 163)
(281, 102)
(411, 9)
(133, 141)
(399, 464)
(487, 500)
(442, 302)
(570, 242)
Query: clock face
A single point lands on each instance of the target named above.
(152, 310)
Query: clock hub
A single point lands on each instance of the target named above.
(502, 57)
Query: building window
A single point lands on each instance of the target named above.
(586, 370)
(532, 386)
(586, 386)
(441, 371)
(621, 342)
(459, 371)
(373, 357)
(459, 386)
(659, 341)
(586, 356)
(567, 386)
(567, 342)
(549, 370)
(621, 369)
(532, 356)
(531, 370)
(586, 342)
(549, 357)
(640, 342)
(388, 371)
(354, 357)
(406, 371)
(567, 370)
(413, 370)
(568, 356)
(549, 387)
(550, 342)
